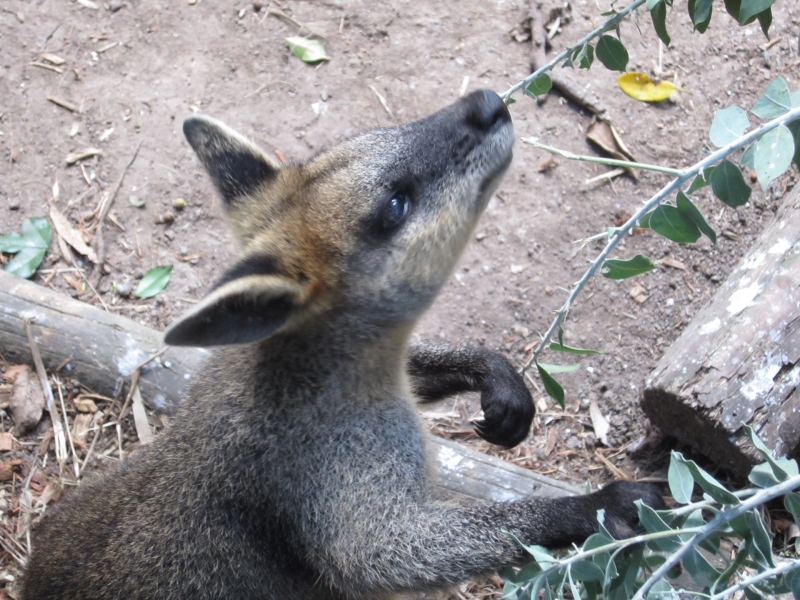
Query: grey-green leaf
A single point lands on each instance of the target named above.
(306, 49)
(680, 480)
(586, 571)
(674, 225)
(702, 179)
(688, 208)
(728, 125)
(728, 184)
(748, 157)
(623, 269)
(153, 282)
(557, 347)
(699, 568)
(612, 53)
(559, 368)
(30, 247)
(540, 86)
(750, 8)
(584, 56)
(782, 467)
(700, 13)
(710, 486)
(773, 154)
(658, 14)
(551, 386)
(655, 524)
(775, 101)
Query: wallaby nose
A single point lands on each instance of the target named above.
(485, 109)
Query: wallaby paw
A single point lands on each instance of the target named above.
(507, 405)
(621, 514)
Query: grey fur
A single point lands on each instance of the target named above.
(296, 467)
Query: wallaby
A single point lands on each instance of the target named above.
(296, 466)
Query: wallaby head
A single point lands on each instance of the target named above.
(371, 228)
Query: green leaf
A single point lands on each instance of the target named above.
(762, 476)
(557, 347)
(551, 386)
(773, 154)
(699, 568)
(765, 20)
(783, 468)
(728, 125)
(702, 179)
(674, 224)
(623, 269)
(306, 49)
(644, 222)
(688, 208)
(509, 101)
(586, 571)
(710, 486)
(655, 524)
(559, 368)
(659, 16)
(154, 281)
(680, 480)
(751, 8)
(584, 56)
(728, 184)
(775, 101)
(612, 53)
(539, 86)
(700, 14)
(748, 157)
(30, 247)
(792, 503)
(661, 590)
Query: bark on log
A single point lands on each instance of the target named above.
(106, 348)
(737, 361)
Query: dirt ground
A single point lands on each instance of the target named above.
(134, 70)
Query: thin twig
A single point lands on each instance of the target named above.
(614, 162)
(50, 402)
(105, 205)
(382, 100)
(787, 567)
(75, 462)
(618, 234)
(606, 26)
(97, 433)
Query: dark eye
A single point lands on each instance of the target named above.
(395, 212)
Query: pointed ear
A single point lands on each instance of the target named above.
(244, 310)
(236, 165)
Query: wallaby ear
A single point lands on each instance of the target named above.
(236, 165)
(244, 310)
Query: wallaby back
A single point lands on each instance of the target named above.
(296, 466)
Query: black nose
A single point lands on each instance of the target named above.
(485, 109)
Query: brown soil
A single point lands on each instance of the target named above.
(135, 70)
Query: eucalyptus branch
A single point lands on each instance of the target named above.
(600, 159)
(786, 567)
(714, 525)
(606, 26)
(654, 201)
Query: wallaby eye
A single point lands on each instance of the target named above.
(395, 212)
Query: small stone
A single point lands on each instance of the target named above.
(116, 5)
(179, 203)
(184, 250)
(166, 218)
(136, 201)
(124, 289)
(574, 443)
(13, 204)
(549, 290)
(258, 5)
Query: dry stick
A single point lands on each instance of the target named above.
(58, 427)
(75, 461)
(105, 205)
(99, 427)
(135, 381)
(568, 88)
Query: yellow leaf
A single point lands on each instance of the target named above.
(641, 87)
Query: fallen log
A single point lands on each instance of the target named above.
(106, 348)
(737, 361)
